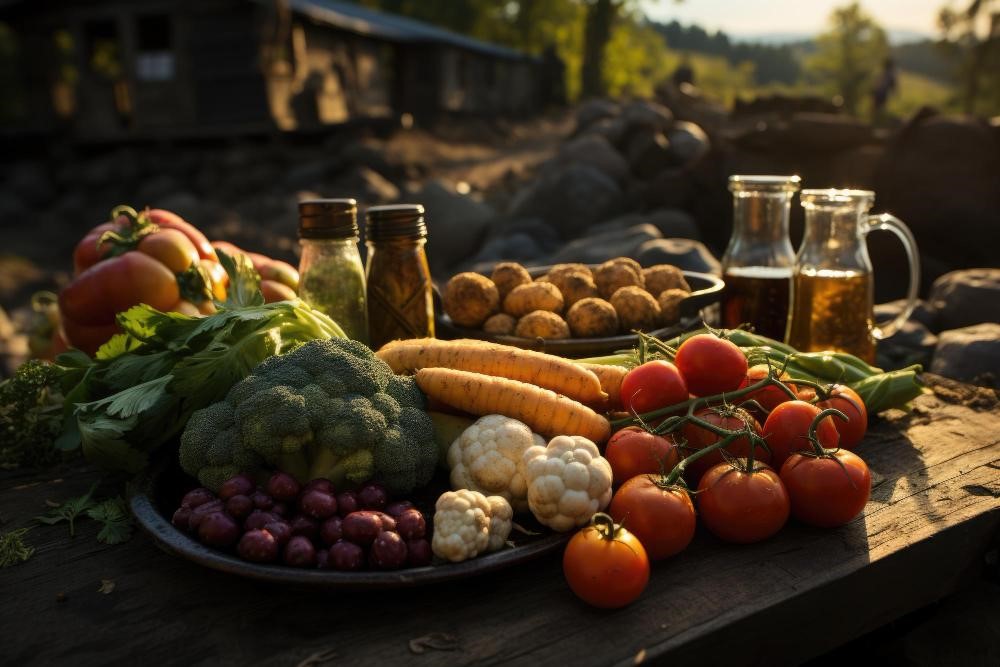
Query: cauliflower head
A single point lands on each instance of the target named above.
(568, 481)
(329, 409)
(463, 521)
(488, 457)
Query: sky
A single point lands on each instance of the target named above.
(743, 18)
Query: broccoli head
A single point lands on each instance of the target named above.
(330, 409)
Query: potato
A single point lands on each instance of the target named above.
(592, 317)
(636, 308)
(508, 275)
(670, 305)
(615, 274)
(575, 285)
(536, 296)
(469, 298)
(663, 277)
(500, 324)
(560, 269)
(542, 324)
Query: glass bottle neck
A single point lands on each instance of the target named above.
(833, 239)
(760, 231)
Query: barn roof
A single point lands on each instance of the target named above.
(393, 27)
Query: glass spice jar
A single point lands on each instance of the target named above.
(332, 278)
(400, 292)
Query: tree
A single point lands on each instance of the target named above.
(601, 16)
(849, 54)
(975, 32)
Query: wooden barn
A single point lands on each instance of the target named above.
(111, 69)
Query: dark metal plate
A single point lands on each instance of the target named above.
(158, 492)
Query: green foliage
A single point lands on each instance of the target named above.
(974, 48)
(68, 511)
(112, 513)
(329, 409)
(849, 55)
(31, 415)
(13, 549)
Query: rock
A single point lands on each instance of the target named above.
(671, 188)
(544, 235)
(363, 154)
(970, 354)
(596, 151)
(688, 143)
(687, 254)
(594, 110)
(965, 297)
(367, 186)
(612, 129)
(570, 199)
(517, 247)
(608, 244)
(674, 223)
(648, 153)
(456, 224)
(648, 115)
(31, 183)
(912, 344)
(922, 312)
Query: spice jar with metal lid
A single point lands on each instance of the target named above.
(332, 277)
(400, 296)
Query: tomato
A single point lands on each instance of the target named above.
(711, 365)
(634, 451)
(606, 565)
(653, 385)
(732, 419)
(169, 220)
(827, 491)
(171, 248)
(661, 517)
(847, 401)
(114, 285)
(741, 506)
(89, 250)
(770, 396)
(275, 291)
(786, 430)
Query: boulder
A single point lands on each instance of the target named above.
(922, 312)
(570, 198)
(647, 114)
(688, 143)
(648, 153)
(605, 245)
(912, 344)
(966, 297)
(674, 223)
(517, 247)
(686, 254)
(612, 129)
(594, 110)
(456, 223)
(596, 151)
(970, 354)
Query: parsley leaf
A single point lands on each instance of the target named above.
(116, 521)
(69, 511)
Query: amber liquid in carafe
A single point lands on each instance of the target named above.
(831, 310)
(757, 295)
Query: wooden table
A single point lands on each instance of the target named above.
(935, 507)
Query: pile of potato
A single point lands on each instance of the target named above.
(571, 300)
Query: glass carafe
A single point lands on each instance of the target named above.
(832, 286)
(757, 264)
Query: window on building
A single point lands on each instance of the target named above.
(154, 60)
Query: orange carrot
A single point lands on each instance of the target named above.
(544, 411)
(543, 370)
(611, 381)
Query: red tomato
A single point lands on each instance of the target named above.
(169, 220)
(732, 419)
(847, 401)
(827, 492)
(114, 285)
(275, 291)
(743, 507)
(655, 384)
(661, 517)
(88, 251)
(171, 248)
(606, 565)
(634, 451)
(711, 365)
(786, 430)
(770, 396)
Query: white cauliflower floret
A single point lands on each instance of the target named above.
(568, 481)
(501, 521)
(463, 521)
(488, 457)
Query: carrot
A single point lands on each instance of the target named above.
(611, 381)
(543, 370)
(544, 411)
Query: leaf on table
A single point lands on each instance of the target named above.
(13, 549)
(107, 586)
(435, 641)
(69, 511)
(115, 520)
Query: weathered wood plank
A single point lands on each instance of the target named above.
(934, 508)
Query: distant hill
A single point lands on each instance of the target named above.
(897, 36)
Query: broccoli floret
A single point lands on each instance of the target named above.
(328, 409)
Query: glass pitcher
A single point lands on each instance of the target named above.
(757, 264)
(832, 286)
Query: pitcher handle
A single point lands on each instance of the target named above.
(890, 223)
